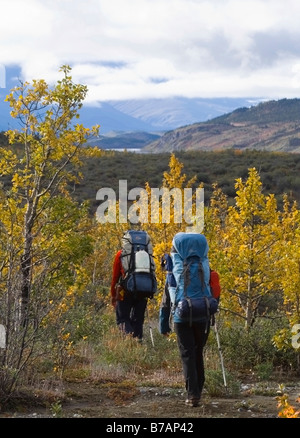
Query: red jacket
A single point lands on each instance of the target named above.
(215, 284)
(117, 273)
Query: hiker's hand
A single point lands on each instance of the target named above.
(113, 301)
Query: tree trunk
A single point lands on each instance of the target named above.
(26, 266)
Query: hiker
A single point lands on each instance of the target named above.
(130, 311)
(192, 332)
(133, 282)
(165, 314)
(165, 305)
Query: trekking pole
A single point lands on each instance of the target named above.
(220, 354)
(150, 328)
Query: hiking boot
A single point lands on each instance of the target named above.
(193, 402)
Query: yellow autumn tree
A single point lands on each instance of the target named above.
(168, 218)
(106, 239)
(290, 261)
(289, 277)
(250, 251)
(215, 221)
(42, 229)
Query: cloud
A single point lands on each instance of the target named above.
(157, 48)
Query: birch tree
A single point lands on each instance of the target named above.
(42, 229)
(250, 251)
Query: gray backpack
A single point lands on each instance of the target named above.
(138, 264)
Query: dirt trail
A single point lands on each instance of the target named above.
(102, 400)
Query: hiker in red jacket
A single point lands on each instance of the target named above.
(130, 311)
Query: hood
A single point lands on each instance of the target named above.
(190, 244)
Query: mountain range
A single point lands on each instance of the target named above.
(145, 115)
(270, 126)
(179, 123)
(154, 116)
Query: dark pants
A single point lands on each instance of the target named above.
(191, 342)
(130, 315)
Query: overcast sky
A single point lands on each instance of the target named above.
(128, 49)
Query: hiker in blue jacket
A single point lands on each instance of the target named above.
(192, 335)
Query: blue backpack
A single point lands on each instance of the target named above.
(191, 298)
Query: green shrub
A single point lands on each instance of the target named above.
(253, 350)
(215, 385)
(139, 357)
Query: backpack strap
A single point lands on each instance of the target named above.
(201, 274)
(190, 309)
(186, 276)
(132, 260)
(186, 272)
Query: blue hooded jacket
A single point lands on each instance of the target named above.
(187, 250)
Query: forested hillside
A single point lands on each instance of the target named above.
(280, 172)
(269, 126)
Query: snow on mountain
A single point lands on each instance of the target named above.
(168, 114)
(147, 115)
